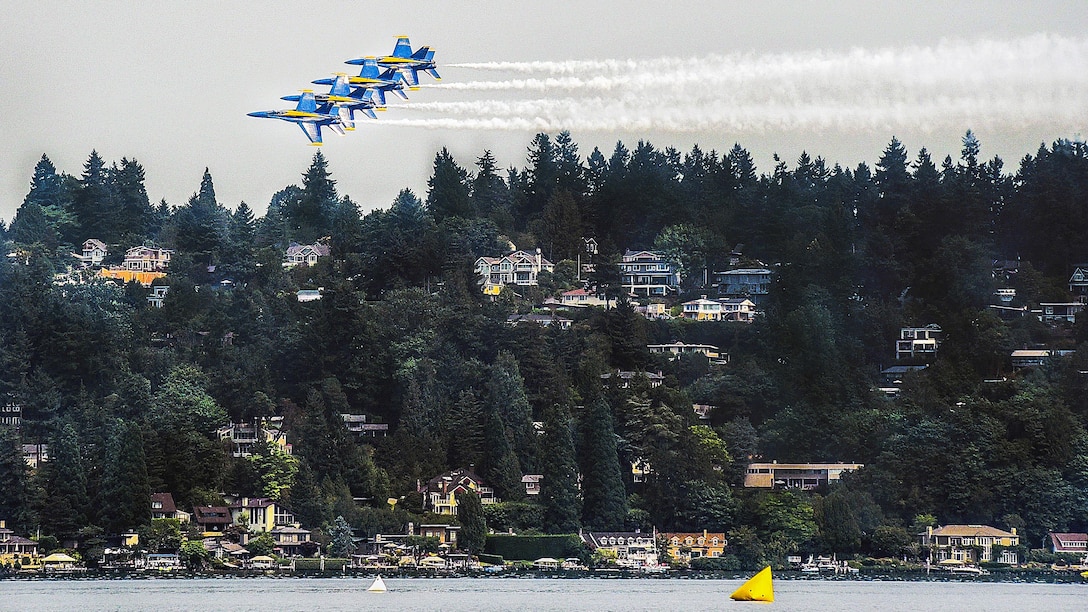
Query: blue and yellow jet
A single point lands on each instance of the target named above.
(345, 101)
(309, 116)
(371, 77)
(410, 63)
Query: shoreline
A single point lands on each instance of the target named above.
(1002, 576)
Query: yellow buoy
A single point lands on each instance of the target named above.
(758, 588)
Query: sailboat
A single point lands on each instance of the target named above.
(378, 586)
(758, 588)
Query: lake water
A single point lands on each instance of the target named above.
(469, 594)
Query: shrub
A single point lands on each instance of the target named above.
(530, 548)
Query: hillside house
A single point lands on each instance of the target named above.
(776, 475)
(677, 350)
(264, 514)
(918, 342)
(211, 519)
(626, 377)
(356, 424)
(1078, 282)
(648, 274)
(1076, 543)
(1059, 312)
(751, 283)
(243, 436)
(146, 259)
(304, 254)
(441, 491)
(163, 507)
(519, 268)
(94, 251)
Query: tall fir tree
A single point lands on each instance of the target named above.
(506, 392)
(448, 192)
(604, 498)
(470, 513)
(559, 485)
(124, 490)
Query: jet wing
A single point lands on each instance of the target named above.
(312, 131)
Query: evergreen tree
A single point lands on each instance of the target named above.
(15, 502)
(604, 499)
(202, 224)
(310, 216)
(134, 212)
(124, 491)
(490, 195)
(506, 393)
(307, 502)
(559, 485)
(242, 228)
(66, 503)
(470, 513)
(448, 189)
(499, 464)
(341, 546)
(93, 204)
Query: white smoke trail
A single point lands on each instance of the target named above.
(1036, 80)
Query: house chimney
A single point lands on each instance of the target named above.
(3, 524)
(1013, 529)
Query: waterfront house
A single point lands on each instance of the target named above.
(1076, 543)
(677, 350)
(445, 534)
(290, 539)
(531, 482)
(683, 547)
(544, 320)
(14, 547)
(631, 549)
(970, 544)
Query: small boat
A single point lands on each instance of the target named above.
(378, 586)
(758, 588)
(968, 570)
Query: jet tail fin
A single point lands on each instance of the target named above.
(307, 102)
(403, 48)
(422, 53)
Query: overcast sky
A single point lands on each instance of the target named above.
(169, 84)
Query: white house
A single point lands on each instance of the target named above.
(518, 268)
(298, 254)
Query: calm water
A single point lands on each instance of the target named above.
(467, 594)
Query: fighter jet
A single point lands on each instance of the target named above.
(308, 115)
(345, 101)
(370, 77)
(409, 63)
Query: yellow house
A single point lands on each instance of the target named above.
(684, 547)
(970, 544)
(442, 491)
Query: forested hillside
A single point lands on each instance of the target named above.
(129, 397)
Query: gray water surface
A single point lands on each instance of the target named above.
(479, 594)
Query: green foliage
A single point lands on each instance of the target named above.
(470, 513)
(193, 554)
(531, 548)
(341, 536)
(263, 544)
(559, 485)
(604, 499)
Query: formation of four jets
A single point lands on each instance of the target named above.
(364, 93)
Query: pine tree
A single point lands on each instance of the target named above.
(311, 215)
(506, 392)
(93, 204)
(604, 499)
(124, 490)
(559, 485)
(14, 475)
(499, 464)
(242, 227)
(308, 504)
(341, 545)
(67, 503)
(134, 212)
(448, 189)
(470, 513)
